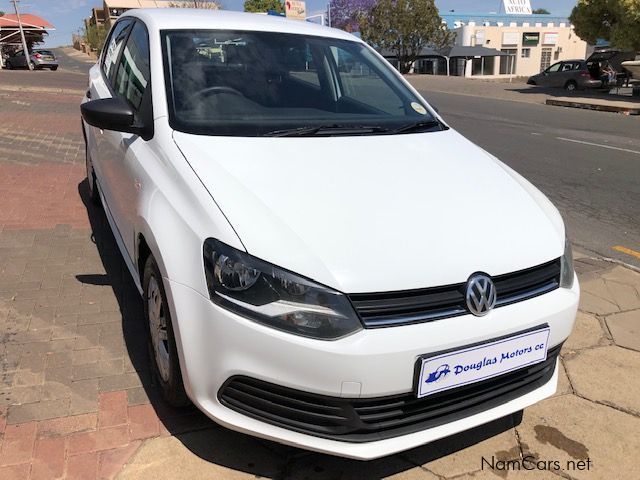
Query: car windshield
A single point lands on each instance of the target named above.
(249, 83)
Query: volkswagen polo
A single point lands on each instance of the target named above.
(323, 261)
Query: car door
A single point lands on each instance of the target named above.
(120, 151)
(19, 60)
(551, 75)
(100, 86)
(565, 74)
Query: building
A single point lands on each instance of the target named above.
(530, 43)
(97, 18)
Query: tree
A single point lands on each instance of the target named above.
(261, 6)
(345, 13)
(613, 20)
(209, 5)
(541, 11)
(405, 27)
(95, 36)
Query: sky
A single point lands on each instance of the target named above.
(67, 15)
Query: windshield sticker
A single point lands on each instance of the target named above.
(418, 108)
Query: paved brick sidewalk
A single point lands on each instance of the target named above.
(77, 399)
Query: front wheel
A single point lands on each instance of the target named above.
(54, 68)
(571, 86)
(164, 354)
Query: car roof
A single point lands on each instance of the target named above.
(196, 19)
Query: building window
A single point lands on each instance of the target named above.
(508, 62)
(545, 59)
(482, 66)
(525, 53)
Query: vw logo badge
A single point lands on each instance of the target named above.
(481, 294)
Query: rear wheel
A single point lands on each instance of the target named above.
(54, 68)
(164, 354)
(571, 86)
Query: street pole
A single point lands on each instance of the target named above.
(27, 56)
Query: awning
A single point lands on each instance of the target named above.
(457, 51)
(460, 51)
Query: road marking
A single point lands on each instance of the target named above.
(628, 251)
(599, 145)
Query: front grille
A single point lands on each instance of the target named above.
(365, 420)
(423, 305)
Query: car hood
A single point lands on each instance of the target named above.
(377, 213)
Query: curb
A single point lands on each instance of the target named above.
(594, 106)
(18, 88)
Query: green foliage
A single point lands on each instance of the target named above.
(405, 27)
(541, 11)
(614, 20)
(95, 35)
(262, 6)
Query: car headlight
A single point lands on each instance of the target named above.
(275, 297)
(566, 266)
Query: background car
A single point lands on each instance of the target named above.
(38, 59)
(568, 74)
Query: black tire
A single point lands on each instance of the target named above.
(54, 68)
(172, 387)
(571, 86)
(94, 196)
(33, 66)
(9, 65)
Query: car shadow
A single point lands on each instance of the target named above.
(222, 446)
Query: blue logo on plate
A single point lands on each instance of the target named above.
(439, 373)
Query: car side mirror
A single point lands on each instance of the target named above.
(111, 114)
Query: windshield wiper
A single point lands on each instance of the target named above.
(328, 130)
(422, 126)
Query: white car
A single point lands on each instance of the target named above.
(324, 262)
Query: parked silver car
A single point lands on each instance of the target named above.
(39, 59)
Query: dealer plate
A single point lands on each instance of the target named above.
(472, 364)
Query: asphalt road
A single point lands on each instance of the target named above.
(586, 162)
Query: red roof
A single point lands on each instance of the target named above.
(28, 20)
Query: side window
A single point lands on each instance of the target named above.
(114, 45)
(132, 77)
(554, 68)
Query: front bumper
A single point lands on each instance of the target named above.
(215, 345)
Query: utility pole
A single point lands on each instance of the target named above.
(27, 56)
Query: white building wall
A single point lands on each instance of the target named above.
(560, 40)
